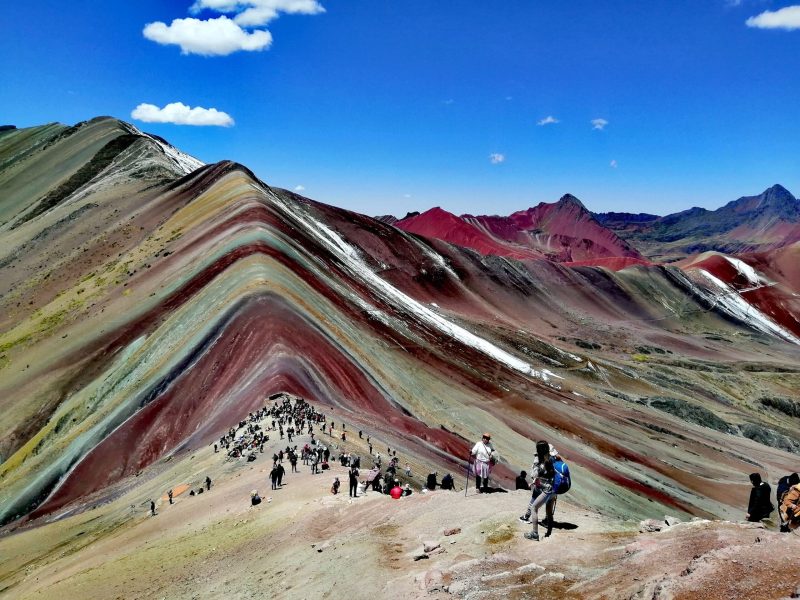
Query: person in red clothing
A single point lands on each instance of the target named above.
(396, 492)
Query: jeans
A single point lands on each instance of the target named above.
(538, 498)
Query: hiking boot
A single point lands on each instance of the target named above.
(532, 536)
(525, 519)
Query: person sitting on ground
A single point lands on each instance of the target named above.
(335, 486)
(431, 482)
(447, 482)
(255, 499)
(759, 506)
(522, 481)
(790, 505)
(407, 490)
(543, 486)
(396, 492)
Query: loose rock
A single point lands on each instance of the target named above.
(650, 525)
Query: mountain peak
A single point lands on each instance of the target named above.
(777, 194)
(569, 199)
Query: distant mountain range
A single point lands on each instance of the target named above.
(767, 221)
(566, 231)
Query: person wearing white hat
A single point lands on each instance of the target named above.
(485, 457)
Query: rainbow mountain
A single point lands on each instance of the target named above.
(148, 301)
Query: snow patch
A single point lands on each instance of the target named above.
(731, 302)
(351, 258)
(183, 161)
(747, 271)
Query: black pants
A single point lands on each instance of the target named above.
(353, 489)
(481, 483)
(274, 484)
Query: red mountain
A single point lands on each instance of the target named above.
(563, 231)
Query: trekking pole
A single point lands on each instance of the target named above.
(466, 484)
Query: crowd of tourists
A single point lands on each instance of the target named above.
(549, 474)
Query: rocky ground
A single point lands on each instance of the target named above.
(303, 542)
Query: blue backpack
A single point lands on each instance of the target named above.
(562, 481)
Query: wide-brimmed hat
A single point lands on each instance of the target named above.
(487, 435)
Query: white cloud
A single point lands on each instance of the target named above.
(613, 164)
(180, 114)
(406, 195)
(786, 18)
(496, 158)
(252, 13)
(547, 120)
(299, 188)
(213, 37)
(599, 124)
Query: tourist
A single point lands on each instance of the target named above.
(759, 506)
(396, 492)
(543, 484)
(431, 483)
(352, 475)
(790, 505)
(485, 457)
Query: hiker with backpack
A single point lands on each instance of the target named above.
(784, 483)
(790, 505)
(550, 478)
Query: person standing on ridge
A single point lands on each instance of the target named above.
(169, 495)
(281, 472)
(759, 506)
(353, 477)
(485, 457)
(208, 483)
(152, 508)
(543, 489)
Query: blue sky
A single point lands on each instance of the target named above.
(386, 107)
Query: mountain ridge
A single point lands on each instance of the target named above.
(766, 221)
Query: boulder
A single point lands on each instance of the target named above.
(671, 521)
(434, 580)
(650, 525)
(452, 531)
(430, 546)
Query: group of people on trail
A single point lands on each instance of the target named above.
(787, 495)
(549, 473)
(299, 417)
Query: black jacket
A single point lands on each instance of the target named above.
(760, 505)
